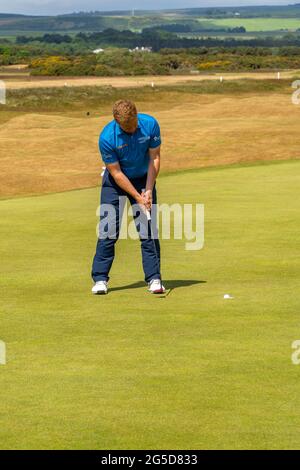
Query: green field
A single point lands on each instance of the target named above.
(130, 370)
(37, 26)
(257, 24)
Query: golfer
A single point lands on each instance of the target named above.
(130, 148)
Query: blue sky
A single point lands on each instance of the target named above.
(64, 6)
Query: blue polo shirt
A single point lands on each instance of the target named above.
(130, 151)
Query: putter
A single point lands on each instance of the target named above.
(149, 219)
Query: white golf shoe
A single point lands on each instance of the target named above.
(155, 287)
(100, 288)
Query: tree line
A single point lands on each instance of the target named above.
(157, 39)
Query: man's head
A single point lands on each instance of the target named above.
(125, 113)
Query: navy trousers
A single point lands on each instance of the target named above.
(105, 251)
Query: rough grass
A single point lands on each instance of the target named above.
(49, 144)
(85, 98)
(130, 371)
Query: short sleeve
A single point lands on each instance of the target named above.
(107, 151)
(155, 137)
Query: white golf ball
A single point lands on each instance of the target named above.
(227, 296)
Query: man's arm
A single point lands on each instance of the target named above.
(124, 183)
(110, 158)
(153, 171)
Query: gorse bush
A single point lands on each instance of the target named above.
(118, 62)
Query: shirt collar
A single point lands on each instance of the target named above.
(120, 130)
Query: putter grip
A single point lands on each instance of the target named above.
(148, 213)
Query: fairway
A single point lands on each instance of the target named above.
(24, 81)
(132, 371)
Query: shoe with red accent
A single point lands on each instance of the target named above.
(155, 287)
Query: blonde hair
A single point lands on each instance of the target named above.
(124, 112)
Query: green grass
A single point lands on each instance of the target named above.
(132, 371)
(258, 24)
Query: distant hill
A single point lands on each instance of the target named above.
(283, 11)
(137, 20)
(11, 15)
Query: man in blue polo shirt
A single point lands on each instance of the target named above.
(130, 149)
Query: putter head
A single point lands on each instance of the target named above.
(165, 294)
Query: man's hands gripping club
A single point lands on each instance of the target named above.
(124, 183)
(145, 199)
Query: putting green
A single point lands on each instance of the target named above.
(132, 371)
